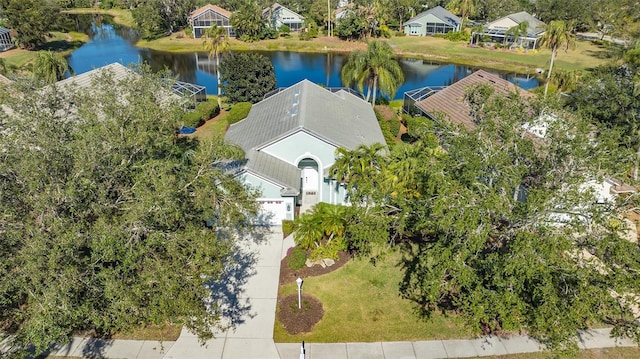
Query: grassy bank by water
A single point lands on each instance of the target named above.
(61, 42)
(120, 16)
(585, 56)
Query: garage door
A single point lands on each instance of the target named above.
(272, 212)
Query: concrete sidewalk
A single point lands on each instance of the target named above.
(229, 347)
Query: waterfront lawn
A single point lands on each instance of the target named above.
(362, 304)
(61, 42)
(586, 55)
(120, 16)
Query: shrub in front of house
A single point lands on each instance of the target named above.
(287, 227)
(284, 30)
(200, 115)
(208, 109)
(297, 258)
(191, 119)
(238, 112)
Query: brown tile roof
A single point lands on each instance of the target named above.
(215, 8)
(451, 101)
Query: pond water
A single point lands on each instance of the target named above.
(110, 43)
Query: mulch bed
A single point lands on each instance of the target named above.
(296, 320)
(288, 275)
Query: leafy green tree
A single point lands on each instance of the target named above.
(376, 67)
(557, 35)
(105, 213)
(351, 27)
(247, 21)
(50, 67)
(494, 9)
(246, 76)
(465, 8)
(516, 32)
(215, 42)
(579, 12)
(610, 96)
(31, 20)
(499, 226)
(159, 17)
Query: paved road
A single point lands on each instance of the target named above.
(248, 297)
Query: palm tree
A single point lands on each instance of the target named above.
(376, 67)
(517, 31)
(333, 219)
(557, 34)
(463, 7)
(216, 41)
(308, 230)
(358, 167)
(50, 67)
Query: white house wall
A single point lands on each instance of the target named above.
(293, 148)
(505, 23)
(285, 17)
(267, 189)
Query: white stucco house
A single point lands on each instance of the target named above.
(278, 15)
(290, 140)
(498, 30)
(437, 20)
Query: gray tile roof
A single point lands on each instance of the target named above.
(439, 12)
(275, 170)
(119, 71)
(535, 26)
(339, 118)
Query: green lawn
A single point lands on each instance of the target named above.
(362, 304)
(120, 16)
(586, 55)
(61, 42)
(604, 353)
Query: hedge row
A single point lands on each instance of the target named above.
(202, 112)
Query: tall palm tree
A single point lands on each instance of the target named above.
(50, 67)
(557, 35)
(216, 41)
(376, 67)
(463, 7)
(516, 32)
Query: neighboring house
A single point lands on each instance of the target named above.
(5, 39)
(437, 20)
(278, 15)
(290, 140)
(497, 30)
(193, 94)
(343, 12)
(450, 101)
(201, 19)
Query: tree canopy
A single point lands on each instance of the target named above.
(31, 20)
(500, 225)
(246, 76)
(109, 221)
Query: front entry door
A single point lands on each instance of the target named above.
(309, 179)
